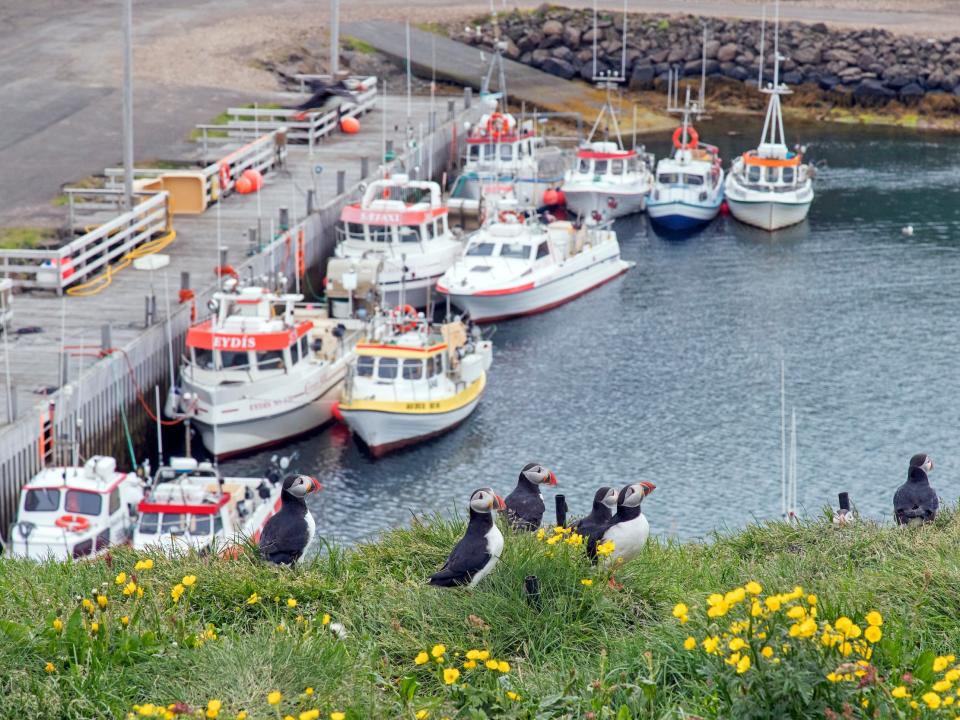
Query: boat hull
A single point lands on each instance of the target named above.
(769, 214)
(676, 215)
(610, 204)
(491, 307)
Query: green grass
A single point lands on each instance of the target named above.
(614, 652)
(364, 47)
(24, 238)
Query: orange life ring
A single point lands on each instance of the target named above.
(224, 177)
(406, 310)
(497, 125)
(693, 139)
(73, 523)
(504, 214)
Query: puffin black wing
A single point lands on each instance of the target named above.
(915, 501)
(525, 508)
(284, 538)
(468, 557)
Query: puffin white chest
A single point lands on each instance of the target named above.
(628, 537)
(311, 528)
(494, 540)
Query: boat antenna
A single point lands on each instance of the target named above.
(156, 394)
(773, 133)
(409, 80)
(703, 72)
(623, 48)
(594, 38)
(763, 27)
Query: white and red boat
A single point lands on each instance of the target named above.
(191, 507)
(403, 225)
(263, 369)
(518, 266)
(75, 511)
(608, 181)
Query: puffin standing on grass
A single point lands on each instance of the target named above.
(596, 523)
(477, 553)
(288, 533)
(525, 506)
(916, 501)
(629, 528)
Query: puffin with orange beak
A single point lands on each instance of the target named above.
(290, 531)
(477, 553)
(629, 528)
(525, 506)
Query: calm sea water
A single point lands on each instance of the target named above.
(671, 373)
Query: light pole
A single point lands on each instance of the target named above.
(128, 103)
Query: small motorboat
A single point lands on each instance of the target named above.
(771, 187)
(190, 506)
(263, 369)
(75, 511)
(516, 265)
(411, 381)
(608, 182)
(400, 233)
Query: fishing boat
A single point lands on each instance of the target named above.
(262, 369)
(516, 265)
(688, 189)
(402, 227)
(411, 381)
(771, 187)
(75, 511)
(190, 506)
(608, 181)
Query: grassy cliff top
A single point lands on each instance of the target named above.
(193, 630)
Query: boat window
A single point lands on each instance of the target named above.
(442, 225)
(365, 366)
(616, 167)
(304, 347)
(355, 231)
(295, 353)
(431, 230)
(42, 500)
(200, 525)
(668, 178)
(474, 152)
(83, 502)
(489, 152)
(114, 501)
(543, 250)
(148, 523)
(689, 179)
(217, 524)
(381, 233)
(481, 249)
(771, 174)
(430, 365)
(412, 369)
(584, 166)
(506, 151)
(387, 369)
(409, 233)
(632, 165)
(753, 174)
(600, 167)
(438, 364)
(515, 250)
(203, 358)
(788, 175)
(521, 149)
(270, 360)
(234, 360)
(172, 524)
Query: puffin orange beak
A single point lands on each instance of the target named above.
(648, 488)
(553, 478)
(501, 505)
(316, 487)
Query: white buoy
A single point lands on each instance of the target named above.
(908, 230)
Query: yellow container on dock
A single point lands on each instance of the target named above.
(187, 193)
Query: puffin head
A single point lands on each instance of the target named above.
(607, 496)
(300, 485)
(485, 500)
(922, 461)
(633, 495)
(538, 474)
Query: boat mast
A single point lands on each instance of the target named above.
(609, 80)
(773, 133)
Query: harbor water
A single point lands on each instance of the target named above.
(671, 373)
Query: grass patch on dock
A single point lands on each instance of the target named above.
(365, 48)
(25, 238)
(196, 629)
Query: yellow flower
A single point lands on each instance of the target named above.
(146, 564)
(450, 675)
(756, 609)
(469, 664)
(737, 644)
(772, 603)
(88, 605)
(49, 667)
(605, 548)
(484, 654)
(188, 580)
(176, 591)
(291, 602)
(843, 624)
(421, 658)
(575, 540)
(680, 610)
(811, 599)
(130, 588)
(948, 700)
(845, 648)
(121, 578)
(422, 714)
(512, 695)
(540, 534)
(743, 664)
(753, 587)
(125, 620)
(325, 620)
(873, 634)
(210, 632)
(337, 715)
(796, 612)
(281, 628)
(942, 685)
(554, 540)
(503, 666)
(931, 699)
(559, 530)
(242, 715)
(309, 714)
(213, 708)
(139, 591)
(586, 581)
(253, 599)
(952, 675)
(690, 643)
(940, 663)
(473, 654)
(492, 665)
(735, 596)
(274, 697)
(833, 677)
(94, 627)
(438, 651)
(102, 601)
(900, 692)
(308, 691)
(767, 651)
(874, 618)
(57, 624)
(710, 644)
(718, 610)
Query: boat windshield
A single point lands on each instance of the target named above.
(203, 358)
(83, 502)
(584, 167)
(515, 250)
(175, 524)
(668, 178)
(365, 366)
(482, 249)
(600, 167)
(42, 500)
(689, 179)
(616, 167)
(412, 369)
(409, 233)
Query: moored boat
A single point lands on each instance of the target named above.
(608, 181)
(411, 381)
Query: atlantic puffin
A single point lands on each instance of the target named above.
(915, 501)
(477, 553)
(525, 506)
(596, 523)
(288, 533)
(629, 528)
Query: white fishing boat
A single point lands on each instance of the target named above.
(516, 265)
(190, 506)
(771, 187)
(401, 226)
(75, 511)
(411, 381)
(608, 182)
(263, 369)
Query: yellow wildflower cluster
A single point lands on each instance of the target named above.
(473, 659)
(561, 534)
(941, 694)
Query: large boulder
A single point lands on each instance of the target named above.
(808, 56)
(898, 76)
(571, 37)
(727, 52)
(911, 94)
(530, 41)
(828, 82)
(677, 53)
(587, 70)
(560, 68)
(935, 79)
(538, 57)
(738, 73)
(642, 77)
(793, 77)
(552, 27)
(562, 52)
(659, 56)
(872, 93)
(713, 47)
(512, 51)
(839, 55)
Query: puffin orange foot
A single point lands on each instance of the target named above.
(612, 582)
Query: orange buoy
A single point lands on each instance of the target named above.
(244, 185)
(550, 197)
(255, 177)
(335, 412)
(561, 199)
(350, 125)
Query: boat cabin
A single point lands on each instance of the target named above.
(772, 168)
(508, 239)
(497, 140)
(606, 161)
(393, 215)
